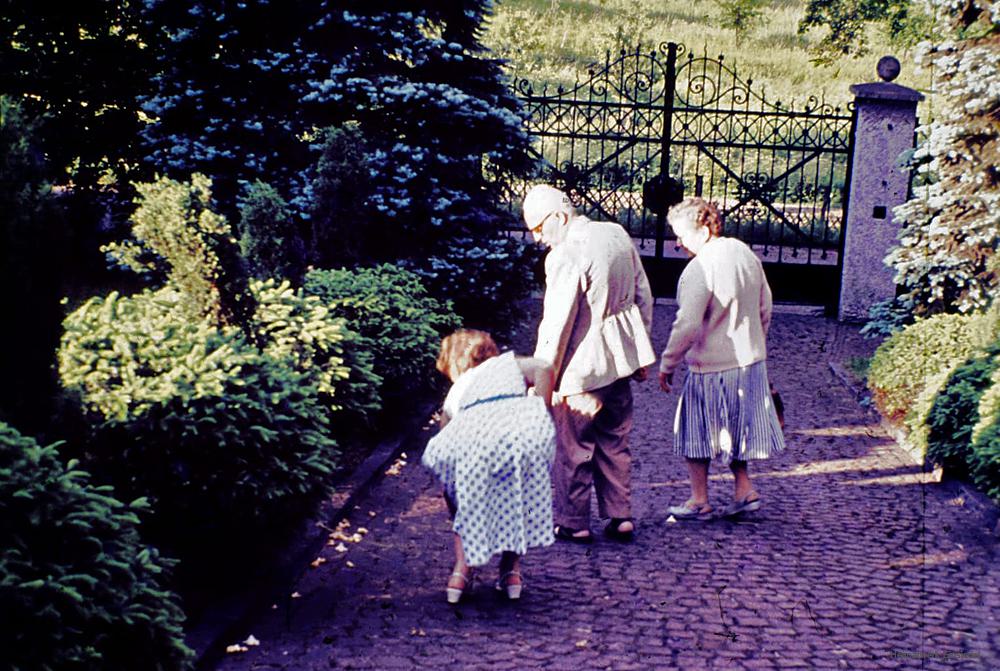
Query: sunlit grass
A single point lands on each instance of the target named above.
(553, 41)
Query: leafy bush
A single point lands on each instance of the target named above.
(77, 589)
(269, 236)
(956, 411)
(919, 358)
(222, 437)
(984, 459)
(319, 343)
(390, 309)
(484, 279)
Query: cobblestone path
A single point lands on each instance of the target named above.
(856, 561)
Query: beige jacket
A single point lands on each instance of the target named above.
(723, 310)
(598, 308)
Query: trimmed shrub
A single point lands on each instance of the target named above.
(956, 411)
(77, 588)
(921, 357)
(319, 343)
(484, 280)
(984, 459)
(390, 309)
(226, 441)
(269, 235)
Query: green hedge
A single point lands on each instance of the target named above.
(911, 366)
(956, 411)
(984, 455)
(228, 442)
(390, 309)
(78, 591)
(984, 459)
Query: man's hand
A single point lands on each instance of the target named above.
(640, 375)
(666, 381)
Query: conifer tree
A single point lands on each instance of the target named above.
(226, 102)
(945, 260)
(432, 106)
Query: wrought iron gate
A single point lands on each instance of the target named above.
(648, 127)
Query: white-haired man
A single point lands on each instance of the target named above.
(595, 327)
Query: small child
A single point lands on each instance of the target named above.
(494, 456)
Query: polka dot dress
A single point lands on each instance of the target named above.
(494, 459)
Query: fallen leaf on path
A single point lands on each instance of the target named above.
(316, 563)
(251, 640)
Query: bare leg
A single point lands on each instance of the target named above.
(743, 487)
(460, 567)
(698, 472)
(510, 563)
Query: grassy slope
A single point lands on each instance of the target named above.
(553, 40)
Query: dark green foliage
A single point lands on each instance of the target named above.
(269, 235)
(848, 21)
(337, 197)
(227, 89)
(78, 68)
(388, 307)
(227, 442)
(956, 411)
(484, 279)
(78, 591)
(433, 107)
(984, 460)
(34, 247)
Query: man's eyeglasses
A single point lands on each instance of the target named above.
(537, 228)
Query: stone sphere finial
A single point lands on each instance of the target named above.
(887, 68)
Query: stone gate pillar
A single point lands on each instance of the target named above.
(884, 126)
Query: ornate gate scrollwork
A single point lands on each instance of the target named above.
(649, 127)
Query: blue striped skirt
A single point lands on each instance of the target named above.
(727, 415)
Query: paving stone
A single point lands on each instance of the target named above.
(849, 560)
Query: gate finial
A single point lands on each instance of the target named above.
(887, 68)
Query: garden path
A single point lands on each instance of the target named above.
(857, 560)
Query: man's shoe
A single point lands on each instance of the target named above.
(614, 531)
(566, 534)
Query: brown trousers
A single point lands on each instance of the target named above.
(592, 449)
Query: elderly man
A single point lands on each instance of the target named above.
(595, 326)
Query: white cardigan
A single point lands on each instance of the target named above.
(724, 310)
